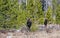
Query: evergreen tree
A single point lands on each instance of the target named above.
(54, 4)
(9, 11)
(58, 14)
(40, 12)
(49, 14)
(34, 9)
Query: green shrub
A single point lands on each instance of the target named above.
(34, 27)
(41, 20)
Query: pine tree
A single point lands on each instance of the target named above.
(58, 14)
(34, 9)
(40, 12)
(8, 10)
(54, 4)
(49, 14)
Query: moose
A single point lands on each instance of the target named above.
(29, 23)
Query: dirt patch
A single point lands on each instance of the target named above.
(53, 32)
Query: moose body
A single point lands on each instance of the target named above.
(29, 23)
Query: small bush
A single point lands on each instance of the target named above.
(34, 27)
(41, 20)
